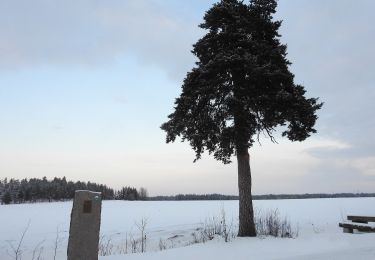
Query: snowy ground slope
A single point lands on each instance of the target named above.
(319, 248)
(173, 222)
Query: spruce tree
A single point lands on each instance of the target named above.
(7, 198)
(240, 87)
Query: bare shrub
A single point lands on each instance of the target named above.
(16, 250)
(196, 239)
(211, 228)
(122, 248)
(105, 245)
(131, 244)
(162, 245)
(270, 223)
(142, 229)
(227, 231)
(214, 227)
(134, 244)
(38, 251)
(56, 244)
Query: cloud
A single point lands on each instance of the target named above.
(338, 175)
(95, 33)
(365, 165)
(331, 46)
(339, 167)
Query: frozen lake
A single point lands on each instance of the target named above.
(174, 221)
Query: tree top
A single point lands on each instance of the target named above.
(241, 85)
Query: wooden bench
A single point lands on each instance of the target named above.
(358, 223)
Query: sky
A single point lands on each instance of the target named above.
(85, 86)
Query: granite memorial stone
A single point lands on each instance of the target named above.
(85, 226)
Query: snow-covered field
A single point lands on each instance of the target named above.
(172, 225)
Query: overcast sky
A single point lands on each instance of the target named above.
(85, 86)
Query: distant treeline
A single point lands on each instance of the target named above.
(261, 197)
(196, 197)
(312, 196)
(59, 189)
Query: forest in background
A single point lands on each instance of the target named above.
(13, 191)
(262, 197)
(59, 189)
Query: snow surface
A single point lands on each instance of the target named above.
(175, 221)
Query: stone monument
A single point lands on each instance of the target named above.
(85, 226)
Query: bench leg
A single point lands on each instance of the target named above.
(348, 230)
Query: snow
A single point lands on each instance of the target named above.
(320, 247)
(174, 222)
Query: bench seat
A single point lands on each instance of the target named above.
(349, 227)
(361, 219)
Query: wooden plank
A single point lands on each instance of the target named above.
(361, 228)
(361, 219)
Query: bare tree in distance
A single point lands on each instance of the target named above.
(143, 194)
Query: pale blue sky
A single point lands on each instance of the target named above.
(85, 85)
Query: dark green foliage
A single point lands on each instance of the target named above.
(6, 199)
(127, 193)
(35, 189)
(241, 85)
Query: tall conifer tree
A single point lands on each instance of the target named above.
(240, 87)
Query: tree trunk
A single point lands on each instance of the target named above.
(246, 212)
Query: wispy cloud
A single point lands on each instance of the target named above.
(94, 33)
